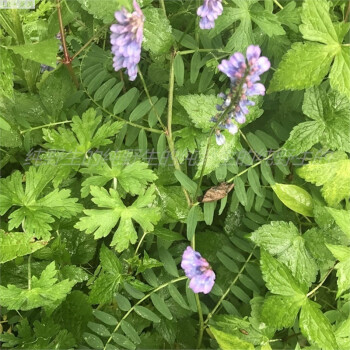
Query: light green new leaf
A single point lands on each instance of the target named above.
(84, 134)
(6, 72)
(200, 109)
(102, 221)
(316, 327)
(157, 32)
(343, 267)
(217, 154)
(228, 341)
(342, 218)
(283, 240)
(332, 172)
(295, 198)
(303, 66)
(44, 52)
(278, 278)
(131, 174)
(186, 142)
(317, 24)
(105, 9)
(14, 244)
(36, 211)
(341, 71)
(280, 311)
(45, 292)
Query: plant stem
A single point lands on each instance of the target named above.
(210, 315)
(187, 52)
(67, 61)
(29, 272)
(97, 35)
(142, 300)
(44, 126)
(162, 5)
(150, 100)
(321, 283)
(248, 143)
(278, 4)
(169, 133)
(346, 17)
(140, 241)
(201, 321)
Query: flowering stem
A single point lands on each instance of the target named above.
(150, 100)
(140, 301)
(211, 314)
(67, 61)
(278, 4)
(29, 272)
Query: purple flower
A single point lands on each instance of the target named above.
(244, 74)
(126, 40)
(209, 12)
(198, 270)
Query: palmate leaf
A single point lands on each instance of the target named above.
(306, 65)
(283, 240)
(14, 244)
(133, 176)
(331, 122)
(36, 212)
(332, 172)
(45, 292)
(343, 267)
(102, 221)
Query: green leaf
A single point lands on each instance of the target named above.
(316, 327)
(147, 314)
(158, 37)
(104, 9)
(161, 306)
(44, 52)
(317, 24)
(92, 340)
(340, 71)
(142, 109)
(15, 244)
(6, 72)
(332, 172)
(122, 302)
(37, 211)
(200, 109)
(303, 66)
(281, 311)
(177, 296)
(84, 134)
(125, 100)
(343, 267)
(196, 64)
(45, 292)
(228, 341)
(168, 262)
(186, 143)
(179, 70)
(130, 331)
(283, 240)
(105, 317)
(186, 182)
(192, 220)
(102, 221)
(342, 218)
(278, 277)
(295, 198)
(99, 329)
(123, 341)
(148, 263)
(126, 172)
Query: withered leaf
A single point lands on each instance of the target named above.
(217, 192)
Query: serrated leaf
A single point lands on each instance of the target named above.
(102, 221)
(342, 219)
(45, 292)
(343, 267)
(129, 173)
(15, 244)
(44, 52)
(157, 32)
(228, 341)
(295, 198)
(316, 327)
(278, 277)
(340, 71)
(332, 172)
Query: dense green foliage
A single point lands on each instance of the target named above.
(102, 180)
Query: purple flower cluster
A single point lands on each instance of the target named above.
(244, 75)
(198, 270)
(209, 12)
(126, 40)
